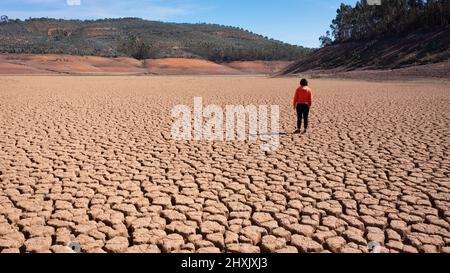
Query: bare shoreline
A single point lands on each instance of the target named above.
(91, 160)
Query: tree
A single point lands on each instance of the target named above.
(325, 40)
(137, 48)
(141, 51)
(4, 19)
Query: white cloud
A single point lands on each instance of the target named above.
(73, 2)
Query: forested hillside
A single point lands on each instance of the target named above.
(365, 21)
(395, 34)
(141, 39)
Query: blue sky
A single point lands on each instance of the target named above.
(298, 22)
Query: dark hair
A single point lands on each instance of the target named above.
(304, 82)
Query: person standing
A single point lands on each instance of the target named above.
(302, 104)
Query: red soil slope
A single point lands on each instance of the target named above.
(175, 66)
(259, 67)
(68, 64)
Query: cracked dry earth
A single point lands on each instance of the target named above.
(90, 160)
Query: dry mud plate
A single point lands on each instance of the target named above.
(90, 160)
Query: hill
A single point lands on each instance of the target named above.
(393, 35)
(142, 39)
(416, 48)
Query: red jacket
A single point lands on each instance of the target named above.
(303, 96)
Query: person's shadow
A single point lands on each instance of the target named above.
(273, 134)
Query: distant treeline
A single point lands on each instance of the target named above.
(367, 20)
(141, 39)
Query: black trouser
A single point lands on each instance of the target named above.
(302, 113)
